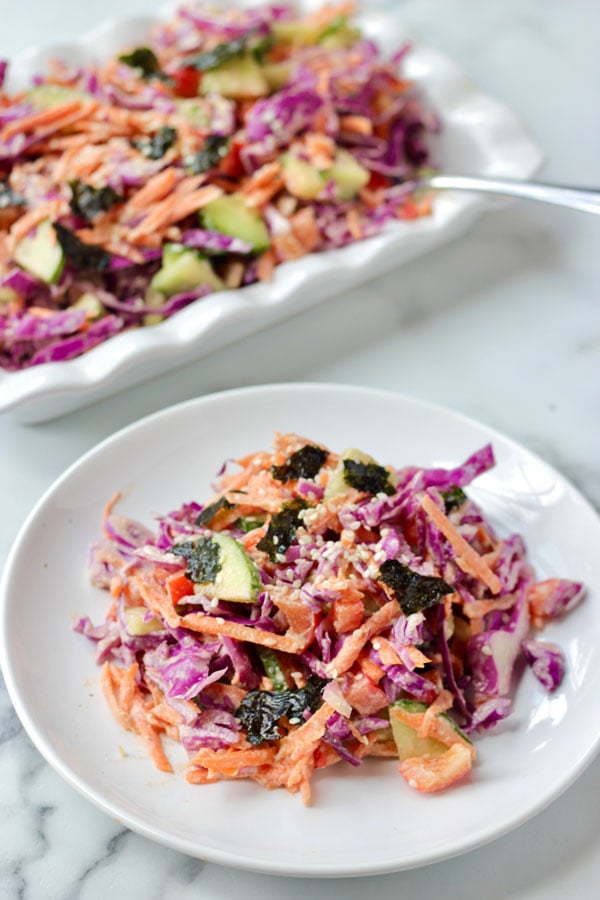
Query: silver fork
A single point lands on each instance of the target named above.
(585, 199)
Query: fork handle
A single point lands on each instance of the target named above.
(587, 200)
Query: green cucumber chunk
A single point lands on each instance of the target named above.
(136, 622)
(349, 176)
(183, 270)
(409, 744)
(46, 95)
(239, 78)
(92, 306)
(231, 215)
(301, 178)
(40, 254)
(237, 579)
(273, 669)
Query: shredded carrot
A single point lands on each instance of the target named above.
(468, 559)
(211, 625)
(353, 645)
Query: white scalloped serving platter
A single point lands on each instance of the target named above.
(479, 135)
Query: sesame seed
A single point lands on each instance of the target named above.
(280, 557)
(354, 526)
(294, 721)
(214, 602)
(376, 644)
(220, 620)
(275, 539)
(333, 673)
(486, 650)
(270, 642)
(297, 583)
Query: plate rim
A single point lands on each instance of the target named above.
(100, 371)
(184, 845)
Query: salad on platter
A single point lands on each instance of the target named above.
(320, 609)
(226, 144)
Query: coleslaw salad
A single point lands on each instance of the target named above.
(321, 608)
(232, 142)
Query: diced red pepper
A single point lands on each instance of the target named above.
(186, 82)
(179, 586)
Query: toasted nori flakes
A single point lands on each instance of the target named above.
(210, 511)
(281, 532)
(367, 477)
(84, 257)
(413, 592)
(304, 463)
(89, 202)
(261, 711)
(203, 559)
(453, 498)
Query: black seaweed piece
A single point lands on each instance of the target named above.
(84, 257)
(281, 532)
(212, 59)
(89, 202)
(156, 146)
(142, 58)
(214, 149)
(304, 463)
(453, 498)
(261, 711)
(203, 559)
(210, 511)
(8, 197)
(367, 477)
(413, 592)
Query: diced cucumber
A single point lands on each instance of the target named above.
(301, 178)
(339, 34)
(136, 622)
(231, 215)
(7, 295)
(277, 74)
(238, 579)
(273, 669)
(92, 306)
(183, 270)
(46, 95)
(409, 742)
(40, 254)
(348, 175)
(298, 32)
(239, 78)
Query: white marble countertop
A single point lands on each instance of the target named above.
(516, 301)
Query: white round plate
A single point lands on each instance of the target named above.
(364, 820)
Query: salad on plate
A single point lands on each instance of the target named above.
(320, 609)
(229, 142)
